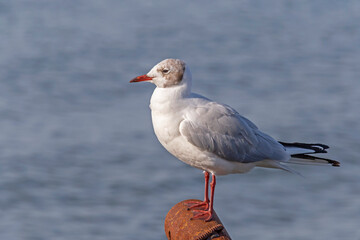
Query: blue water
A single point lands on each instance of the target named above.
(78, 156)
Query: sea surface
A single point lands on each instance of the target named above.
(78, 156)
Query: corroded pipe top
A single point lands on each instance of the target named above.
(178, 225)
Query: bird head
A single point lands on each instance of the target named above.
(167, 73)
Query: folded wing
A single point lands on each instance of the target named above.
(220, 130)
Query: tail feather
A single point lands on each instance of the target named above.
(300, 153)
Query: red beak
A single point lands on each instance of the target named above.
(142, 78)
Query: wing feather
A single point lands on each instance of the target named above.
(222, 131)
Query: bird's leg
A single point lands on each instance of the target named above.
(204, 204)
(207, 214)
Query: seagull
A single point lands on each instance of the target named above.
(212, 136)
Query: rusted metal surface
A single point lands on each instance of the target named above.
(178, 225)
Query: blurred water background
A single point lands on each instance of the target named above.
(78, 156)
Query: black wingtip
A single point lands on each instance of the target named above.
(317, 147)
(333, 163)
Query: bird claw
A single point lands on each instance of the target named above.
(203, 215)
(195, 204)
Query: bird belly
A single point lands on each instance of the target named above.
(192, 155)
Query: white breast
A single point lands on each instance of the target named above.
(167, 114)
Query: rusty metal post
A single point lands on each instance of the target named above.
(178, 225)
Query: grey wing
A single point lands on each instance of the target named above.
(222, 131)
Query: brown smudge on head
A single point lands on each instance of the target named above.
(172, 70)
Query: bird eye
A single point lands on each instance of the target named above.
(165, 70)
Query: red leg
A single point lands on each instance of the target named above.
(207, 214)
(204, 204)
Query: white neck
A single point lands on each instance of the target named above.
(166, 97)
